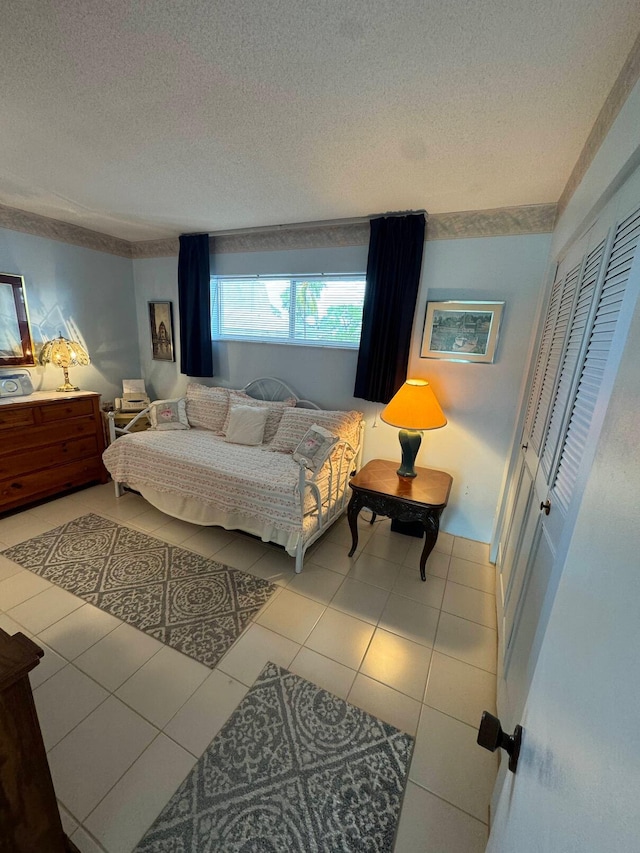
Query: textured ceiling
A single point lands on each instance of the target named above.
(146, 119)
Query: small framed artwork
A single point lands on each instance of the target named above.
(161, 323)
(16, 345)
(461, 331)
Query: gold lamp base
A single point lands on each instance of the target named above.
(66, 385)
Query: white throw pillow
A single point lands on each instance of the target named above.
(274, 407)
(246, 425)
(315, 446)
(168, 414)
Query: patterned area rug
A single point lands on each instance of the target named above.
(186, 601)
(294, 770)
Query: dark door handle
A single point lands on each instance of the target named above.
(546, 506)
(491, 737)
(525, 446)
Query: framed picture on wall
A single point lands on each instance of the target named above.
(461, 331)
(161, 324)
(16, 345)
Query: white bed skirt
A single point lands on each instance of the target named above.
(196, 512)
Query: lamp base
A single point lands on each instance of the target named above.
(68, 387)
(410, 440)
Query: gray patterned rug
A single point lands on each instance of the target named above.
(294, 770)
(186, 601)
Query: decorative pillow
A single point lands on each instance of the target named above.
(315, 446)
(295, 423)
(274, 410)
(207, 407)
(168, 414)
(246, 425)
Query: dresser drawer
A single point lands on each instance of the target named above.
(65, 409)
(15, 464)
(18, 417)
(16, 441)
(30, 487)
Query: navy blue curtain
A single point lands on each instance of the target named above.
(393, 277)
(194, 300)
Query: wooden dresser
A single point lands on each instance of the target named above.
(49, 442)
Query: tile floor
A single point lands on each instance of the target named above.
(124, 718)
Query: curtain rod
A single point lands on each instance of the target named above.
(321, 223)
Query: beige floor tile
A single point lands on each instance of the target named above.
(291, 615)
(428, 592)
(444, 542)
(74, 634)
(316, 582)
(385, 703)
(410, 619)
(469, 549)
(19, 528)
(123, 509)
(392, 546)
(175, 531)
(437, 563)
(203, 715)
(374, 570)
(472, 574)
(85, 843)
(340, 533)
(247, 657)
(11, 626)
(430, 825)
(131, 806)
(208, 540)
(398, 663)
(50, 663)
(20, 587)
(472, 604)
(467, 641)
(60, 513)
(448, 762)
(151, 519)
(112, 660)
(7, 569)
(331, 555)
(90, 759)
(341, 638)
(45, 608)
(275, 566)
(326, 673)
(460, 690)
(242, 553)
(361, 600)
(63, 701)
(162, 685)
(69, 823)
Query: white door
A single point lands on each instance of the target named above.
(579, 328)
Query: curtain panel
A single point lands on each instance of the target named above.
(393, 277)
(194, 300)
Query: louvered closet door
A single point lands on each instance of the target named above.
(578, 334)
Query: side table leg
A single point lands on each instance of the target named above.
(353, 510)
(431, 527)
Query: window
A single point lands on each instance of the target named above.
(318, 311)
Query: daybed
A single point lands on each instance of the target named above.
(192, 467)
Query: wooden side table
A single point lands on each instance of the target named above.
(421, 498)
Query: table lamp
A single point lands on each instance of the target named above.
(64, 354)
(413, 408)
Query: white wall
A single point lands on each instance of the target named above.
(480, 401)
(75, 290)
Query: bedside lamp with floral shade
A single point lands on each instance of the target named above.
(64, 354)
(413, 408)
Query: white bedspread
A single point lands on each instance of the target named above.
(202, 466)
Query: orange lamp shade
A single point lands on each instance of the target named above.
(414, 406)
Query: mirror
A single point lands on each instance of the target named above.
(16, 346)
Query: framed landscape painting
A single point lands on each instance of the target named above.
(161, 322)
(461, 331)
